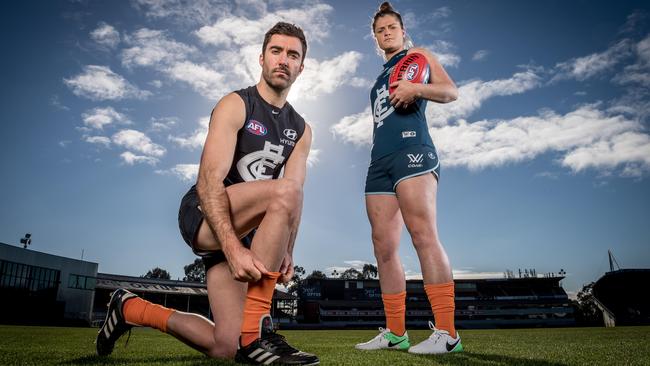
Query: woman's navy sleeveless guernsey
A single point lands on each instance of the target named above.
(394, 129)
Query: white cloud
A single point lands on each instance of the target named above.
(99, 117)
(432, 23)
(180, 11)
(186, 172)
(314, 157)
(325, 77)
(634, 22)
(444, 52)
(630, 149)
(585, 138)
(471, 96)
(163, 123)
(639, 72)
(246, 71)
(240, 30)
(98, 140)
(471, 274)
(356, 128)
(585, 67)
(55, 102)
(100, 83)
(355, 263)
(106, 35)
(442, 12)
(138, 141)
(197, 138)
(480, 55)
(202, 78)
(156, 83)
(153, 48)
(131, 159)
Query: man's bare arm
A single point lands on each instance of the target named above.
(296, 169)
(226, 120)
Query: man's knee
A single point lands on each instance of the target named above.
(223, 349)
(287, 196)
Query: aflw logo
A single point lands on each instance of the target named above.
(415, 158)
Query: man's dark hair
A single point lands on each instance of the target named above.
(286, 29)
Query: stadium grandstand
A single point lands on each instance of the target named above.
(180, 295)
(71, 291)
(480, 303)
(44, 288)
(620, 296)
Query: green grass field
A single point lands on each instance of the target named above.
(21, 345)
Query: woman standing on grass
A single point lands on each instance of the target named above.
(401, 189)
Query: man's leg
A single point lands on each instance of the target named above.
(270, 246)
(249, 203)
(273, 207)
(218, 339)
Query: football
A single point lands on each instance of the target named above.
(412, 67)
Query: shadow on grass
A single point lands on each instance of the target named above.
(470, 358)
(190, 360)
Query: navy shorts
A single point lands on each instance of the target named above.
(190, 218)
(384, 174)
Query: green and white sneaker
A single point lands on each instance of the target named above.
(385, 340)
(438, 342)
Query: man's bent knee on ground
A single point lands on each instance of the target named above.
(240, 217)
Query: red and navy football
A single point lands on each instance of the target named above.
(412, 67)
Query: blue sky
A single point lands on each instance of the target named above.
(545, 155)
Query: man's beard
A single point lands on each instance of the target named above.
(278, 85)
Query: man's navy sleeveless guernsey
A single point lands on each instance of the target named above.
(266, 141)
(395, 129)
(264, 144)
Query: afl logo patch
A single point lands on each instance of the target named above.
(411, 72)
(256, 128)
(291, 134)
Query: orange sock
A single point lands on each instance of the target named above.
(258, 304)
(441, 298)
(142, 312)
(395, 310)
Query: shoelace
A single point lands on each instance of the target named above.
(437, 333)
(127, 338)
(382, 333)
(279, 342)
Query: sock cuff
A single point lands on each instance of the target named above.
(272, 275)
(442, 287)
(397, 296)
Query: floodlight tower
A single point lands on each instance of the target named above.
(27, 240)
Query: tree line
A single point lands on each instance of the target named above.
(195, 272)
